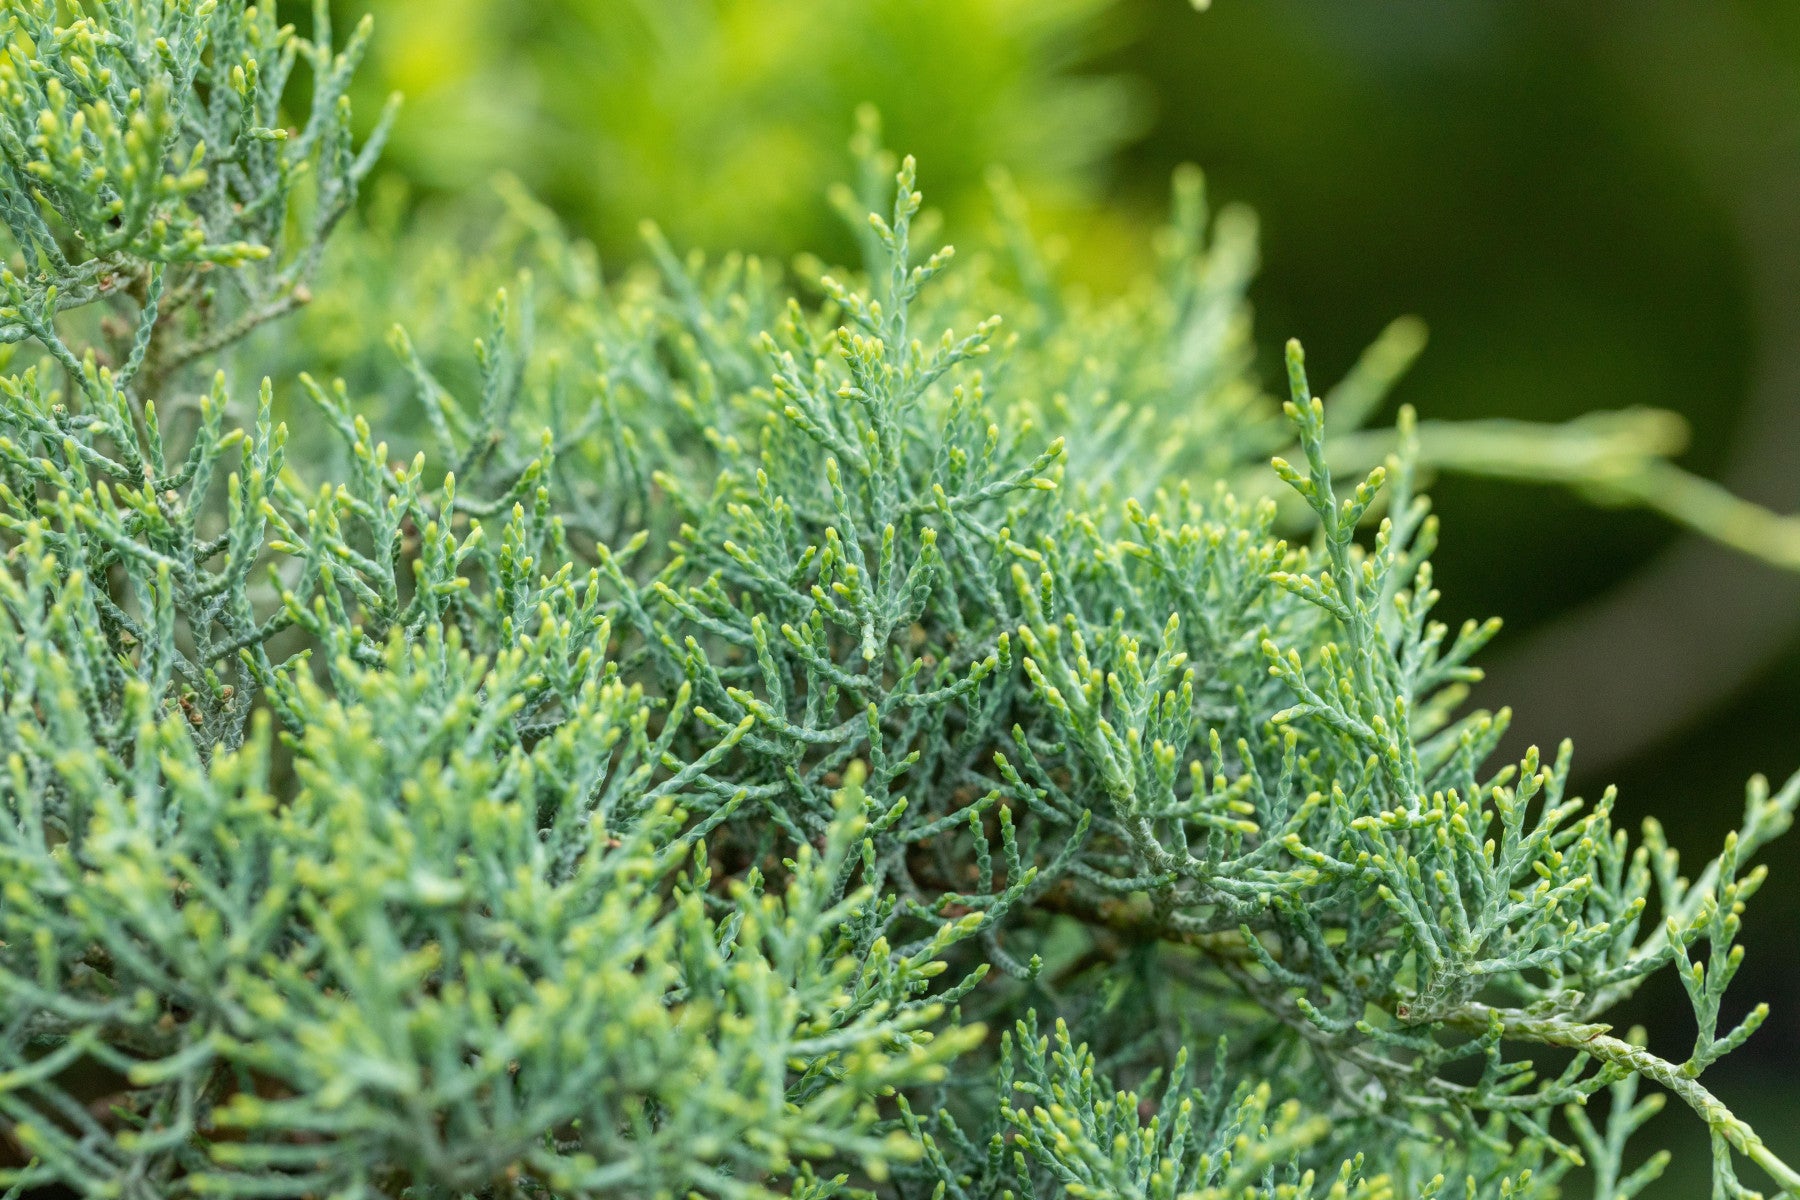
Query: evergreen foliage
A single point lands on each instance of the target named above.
(743, 698)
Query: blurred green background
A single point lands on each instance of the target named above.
(1592, 205)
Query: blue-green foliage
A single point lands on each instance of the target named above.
(739, 698)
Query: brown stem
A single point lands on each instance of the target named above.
(1597, 1042)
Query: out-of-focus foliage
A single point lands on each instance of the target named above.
(726, 119)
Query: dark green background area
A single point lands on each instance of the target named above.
(1485, 169)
